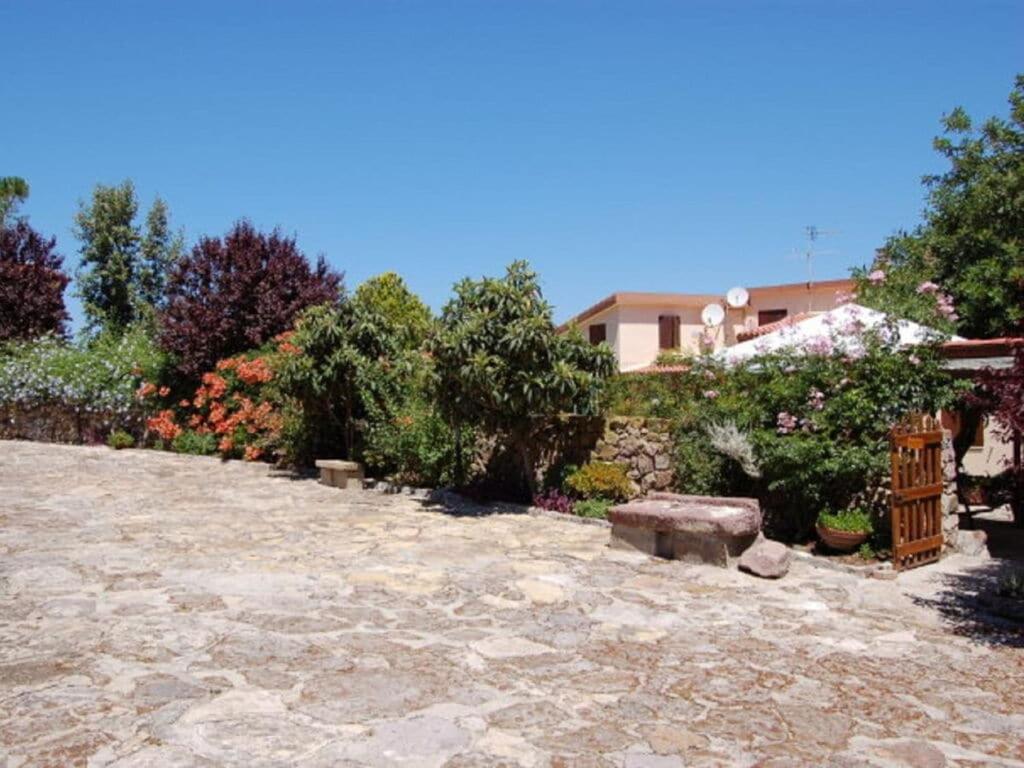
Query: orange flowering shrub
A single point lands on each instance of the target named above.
(238, 404)
(164, 425)
(236, 408)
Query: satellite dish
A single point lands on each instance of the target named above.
(712, 315)
(737, 297)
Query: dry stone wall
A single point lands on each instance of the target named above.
(643, 445)
(58, 423)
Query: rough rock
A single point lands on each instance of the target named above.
(972, 543)
(767, 559)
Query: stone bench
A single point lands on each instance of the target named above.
(705, 529)
(340, 474)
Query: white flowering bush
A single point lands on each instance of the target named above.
(99, 379)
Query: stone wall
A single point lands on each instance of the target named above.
(643, 445)
(58, 423)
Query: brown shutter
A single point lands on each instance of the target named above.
(598, 333)
(668, 331)
(768, 316)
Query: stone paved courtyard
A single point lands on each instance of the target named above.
(161, 610)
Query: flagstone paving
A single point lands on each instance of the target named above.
(161, 610)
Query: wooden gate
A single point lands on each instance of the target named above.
(916, 457)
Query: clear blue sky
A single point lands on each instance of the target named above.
(616, 145)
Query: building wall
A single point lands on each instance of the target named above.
(991, 458)
(793, 299)
(632, 331)
(638, 333)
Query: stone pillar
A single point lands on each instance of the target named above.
(950, 500)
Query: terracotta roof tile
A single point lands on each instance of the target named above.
(761, 330)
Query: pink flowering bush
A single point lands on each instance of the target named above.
(904, 294)
(818, 422)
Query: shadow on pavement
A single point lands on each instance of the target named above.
(970, 604)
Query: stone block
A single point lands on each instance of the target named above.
(340, 474)
(626, 537)
(663, 479)
(692, 528)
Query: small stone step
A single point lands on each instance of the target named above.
(339, 473)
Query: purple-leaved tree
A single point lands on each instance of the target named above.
(236, 293)
(32, 283)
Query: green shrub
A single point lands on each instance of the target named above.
(503, 367)
(848, 520)
(195, 444)
(415, 445)
(600, 479)
(597, 508)
(350, 369)
(119, 439)
(699, 470)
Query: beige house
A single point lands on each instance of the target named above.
(641, 326)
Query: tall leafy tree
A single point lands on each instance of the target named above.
(109, 256)
(32, 283)
(160, 250)
(501, 366)
(353, 367)
(964, 265)
(13, 192)
(388, 296)
(235, 293)
(123, 270)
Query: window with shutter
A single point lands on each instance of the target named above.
(598, 333)
(668, 332)
(767, 316)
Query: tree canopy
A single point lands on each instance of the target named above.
(32, 283)
(236, 293)
(13, 192)
(122, 270)
(502, 365)
(388, 296)
(963, 267)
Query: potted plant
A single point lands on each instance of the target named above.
(844, 531)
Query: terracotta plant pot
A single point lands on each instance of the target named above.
(841, 541)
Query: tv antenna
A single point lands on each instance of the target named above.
(813, 233)
(811, 252)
